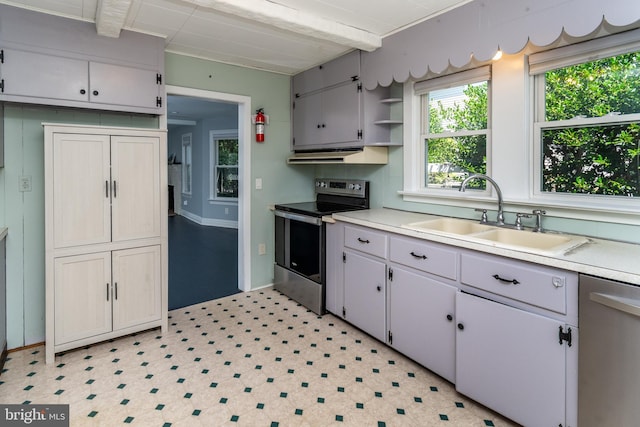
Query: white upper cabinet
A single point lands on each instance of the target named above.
(52, 60)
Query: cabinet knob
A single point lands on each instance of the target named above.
(460, 326)
(379, 288)
(83, 91)
(449, 317)
(95, 93)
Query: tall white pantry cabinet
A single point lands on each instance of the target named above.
(106, 206)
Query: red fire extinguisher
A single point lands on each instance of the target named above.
(260, 125)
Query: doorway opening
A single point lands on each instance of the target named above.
(209, 158)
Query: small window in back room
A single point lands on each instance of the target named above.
(455, 128)
(587, 123)
(224, 165)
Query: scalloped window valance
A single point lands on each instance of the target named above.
(479, 28)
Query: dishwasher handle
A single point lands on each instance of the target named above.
(626, 305)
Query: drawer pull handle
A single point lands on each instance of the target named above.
(512, 281)
(361, 240)
(415, 255)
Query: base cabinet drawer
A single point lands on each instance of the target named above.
(429, 257)
(541, 286)
(367, 241)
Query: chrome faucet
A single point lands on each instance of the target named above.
(500, 218)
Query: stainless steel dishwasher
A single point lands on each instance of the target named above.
(609, 353)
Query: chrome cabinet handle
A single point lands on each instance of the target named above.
(114, 189)
(106, 189)
(415, 255)
(503, 280)
(107, 292)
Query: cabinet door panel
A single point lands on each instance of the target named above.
(341, 114)
(82, 296)
(307, 121)
(418, 310)
(135, 171)
(120, 85)
(81, 205)
(510, 361)
(137, 291)
(365, 295)
(63, 78)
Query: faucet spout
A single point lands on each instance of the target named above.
(500, 218)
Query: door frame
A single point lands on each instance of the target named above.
(244, 164)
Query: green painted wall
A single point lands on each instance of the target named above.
(280, 183)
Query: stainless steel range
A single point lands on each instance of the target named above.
(300, 239)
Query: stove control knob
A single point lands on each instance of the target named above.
(356, 187)
(321, 184)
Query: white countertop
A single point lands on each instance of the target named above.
(599, 257)
(3, 233)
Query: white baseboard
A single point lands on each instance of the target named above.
(210, 222)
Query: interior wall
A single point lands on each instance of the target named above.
(280, 183)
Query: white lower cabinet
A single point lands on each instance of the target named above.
(511, 361)
(365, 294)
(96, 294)
(502, 330)
(421, 320)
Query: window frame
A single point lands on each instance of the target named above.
(415, 186)
(187, 163)
(214, 137)
(538, 65)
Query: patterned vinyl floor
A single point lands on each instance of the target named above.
(251, 359)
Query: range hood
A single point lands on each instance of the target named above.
(363, 156)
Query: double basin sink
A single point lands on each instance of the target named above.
(549, 244)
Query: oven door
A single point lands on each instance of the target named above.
(299, 244)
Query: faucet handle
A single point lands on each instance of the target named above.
(519, 217)
(538, 213)
(484, 218)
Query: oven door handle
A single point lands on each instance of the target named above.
(297, 217)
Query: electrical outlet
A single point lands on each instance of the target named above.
(262, 249)
(25, 183)
(185, 202)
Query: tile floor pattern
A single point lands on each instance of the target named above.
(251, 359)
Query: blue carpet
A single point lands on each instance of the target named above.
(203, 262)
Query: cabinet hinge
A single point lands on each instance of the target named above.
(344, 257)
(391, 274)
(158, 78)
(564, 336)
(390, 338)
(1, 56)
(344, 312)
(355, 79)
(359, 87)
(297, 95)
(158, 101)
(359, 133)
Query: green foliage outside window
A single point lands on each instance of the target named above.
(596, 158)
(227, 168)
(462, 154)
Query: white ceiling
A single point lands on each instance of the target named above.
(283, 36)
